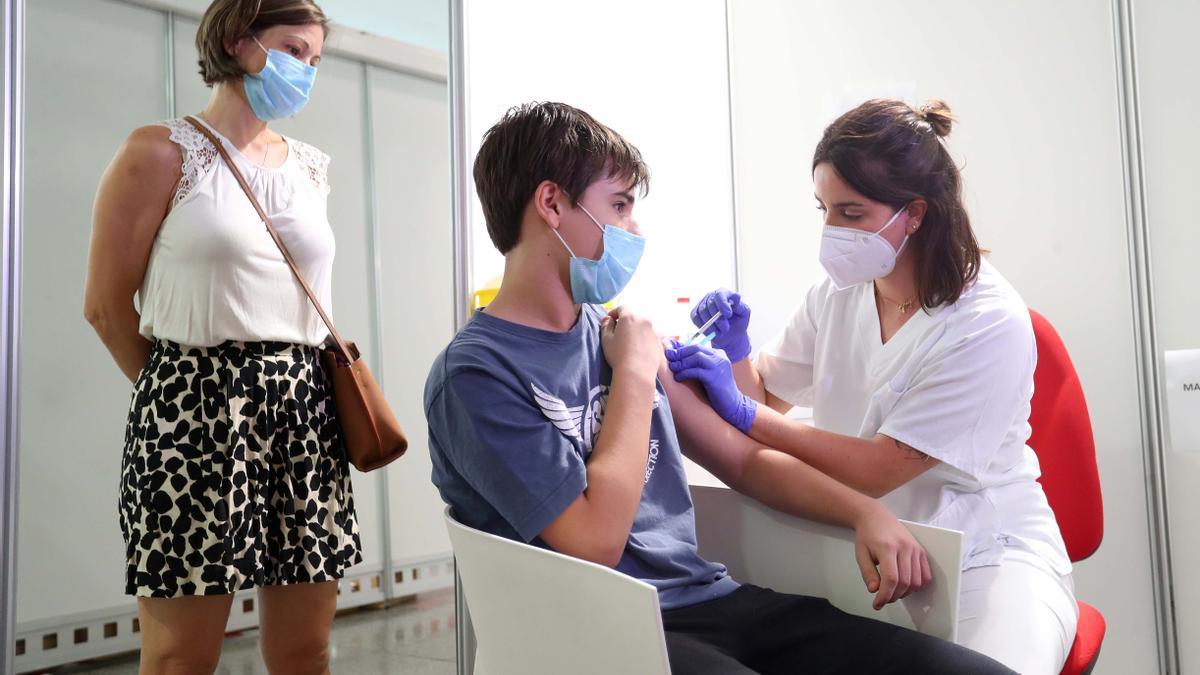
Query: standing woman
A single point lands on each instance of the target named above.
(917, 358)
(233, 475)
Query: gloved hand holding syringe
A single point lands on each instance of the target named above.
(700, 337)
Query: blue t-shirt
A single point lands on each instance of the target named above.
(513, 415)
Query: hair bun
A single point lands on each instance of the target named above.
(938, 115)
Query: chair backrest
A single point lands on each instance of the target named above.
(1062, 438)
(771, 549)
(537, 611)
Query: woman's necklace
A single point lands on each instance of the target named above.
(901, 307)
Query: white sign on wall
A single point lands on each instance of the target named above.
(1183, 399)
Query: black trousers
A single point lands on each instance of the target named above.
(756, 630)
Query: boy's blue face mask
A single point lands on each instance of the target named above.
(282, 88)
(596, 282)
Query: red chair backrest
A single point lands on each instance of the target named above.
(1062, 438)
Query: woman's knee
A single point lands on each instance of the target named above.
(179, 658)
(182, 635)
(298, 657)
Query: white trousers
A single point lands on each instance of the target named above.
(1020, 613)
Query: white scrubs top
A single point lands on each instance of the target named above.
(954, 383)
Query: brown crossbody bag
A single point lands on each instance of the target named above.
(372, 436)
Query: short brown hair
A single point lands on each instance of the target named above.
(227, 21)
(893, 153)
(536, 142)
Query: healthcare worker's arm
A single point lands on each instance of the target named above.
(892, 563)
(750, 383)
(957, 405)
(874, 466)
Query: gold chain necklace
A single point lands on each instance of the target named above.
(901, 307)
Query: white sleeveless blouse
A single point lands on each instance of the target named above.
(214, 272)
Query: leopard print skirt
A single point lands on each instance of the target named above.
(233, 474)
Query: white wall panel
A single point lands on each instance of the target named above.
(412, 179)
(74, 399)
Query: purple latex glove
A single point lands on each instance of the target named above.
(731, 328)
(712, 369)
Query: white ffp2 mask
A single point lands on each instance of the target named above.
(853, 256)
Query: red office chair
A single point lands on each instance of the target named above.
(1062, 439)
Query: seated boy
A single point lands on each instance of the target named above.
(549, 424)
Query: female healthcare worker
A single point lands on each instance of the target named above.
(917, 358)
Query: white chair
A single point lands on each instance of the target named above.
(536, 611)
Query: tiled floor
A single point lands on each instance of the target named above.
(414, 638)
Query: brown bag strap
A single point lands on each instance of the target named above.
(341, 344)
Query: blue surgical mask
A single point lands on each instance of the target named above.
(598, 281)
(282, 88)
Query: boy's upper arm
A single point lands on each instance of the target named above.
(506, 449)
(704, 437)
